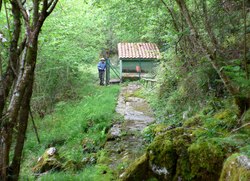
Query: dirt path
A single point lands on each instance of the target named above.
(125, 141)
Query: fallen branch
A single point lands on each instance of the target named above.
(240, 127)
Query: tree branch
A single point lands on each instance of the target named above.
(44, 9)
(172, 15)
(23, 11)
(35, 11)
(22, 45)
(51, 7)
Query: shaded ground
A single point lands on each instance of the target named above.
(125, 141)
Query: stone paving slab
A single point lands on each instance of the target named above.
(128, 143)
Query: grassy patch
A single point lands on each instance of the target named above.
(68, 128)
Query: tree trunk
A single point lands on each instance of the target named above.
(22, 126)
(18, 79)
(5, 140)
(17, 111)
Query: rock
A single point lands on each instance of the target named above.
(159, 170)
(137, 171)
(50, 160)
(236, 167)
(206, 158)
(158, 162)
(115, 132)
(51, 151)
(244, 161)
(125, 142)
(174, 155)
(162, 157)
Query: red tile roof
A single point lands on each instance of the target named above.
(138, 50)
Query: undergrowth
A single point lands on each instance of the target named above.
(195, 100)
(68, 128)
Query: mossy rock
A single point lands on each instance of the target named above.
(181, 143)
(183, 166)
(50, 160)
(162, 156)
(159, 162)
(138, 170)
(236, 167)
(177, 132)
(159, 128)
(206, 160)
(183, 169)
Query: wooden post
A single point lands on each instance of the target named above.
(140, 69)
(121, 70)
(107, 71)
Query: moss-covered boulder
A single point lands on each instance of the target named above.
(162, 156)
(158, 162)
(50, 160)
(186, 153)
(206, 159)
(139, 170)
(236, 167)
(183, 166)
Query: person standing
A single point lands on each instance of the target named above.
(101, 69)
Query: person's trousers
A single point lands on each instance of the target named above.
(101, 76)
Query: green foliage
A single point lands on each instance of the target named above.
(183, 91)
(189, 91)
(65, 47)
(238, 75)
(245, 150)
(91, 173)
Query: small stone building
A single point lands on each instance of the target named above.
(137, 59)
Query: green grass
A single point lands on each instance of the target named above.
(71, 123)
(91, 173)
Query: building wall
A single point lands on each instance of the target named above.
(146, 66)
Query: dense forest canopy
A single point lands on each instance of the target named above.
(44, 45)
